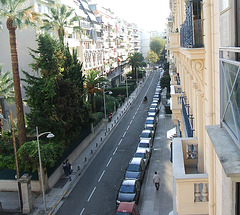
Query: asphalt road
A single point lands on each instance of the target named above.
(96, 191)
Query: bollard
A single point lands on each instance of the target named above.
(108, 129)
(96, 144)
(91, 151)
(117, 118)
(70, 179)
(85, 158)
(78, 168)
(105, 133)
(115, 121)
(101, 138)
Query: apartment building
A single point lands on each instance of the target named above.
(203, 43)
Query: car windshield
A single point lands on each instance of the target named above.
(139, 155)
(133, 168)
(149, 128)
(145, 135)
(127, 189)
(149, 121)
(122, 213)
(144, 145)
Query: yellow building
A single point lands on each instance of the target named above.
(203, 54)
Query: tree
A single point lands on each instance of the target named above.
(92, 82)
(157, 45)
(17, 16)
(6, 88)
(56, 97)
(152, 57)
(59, 18)
(135, 60)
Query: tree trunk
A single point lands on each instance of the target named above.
(16, 82)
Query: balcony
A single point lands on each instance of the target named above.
(190, 188)
(191, 32)
(187, 118)
(174, 39)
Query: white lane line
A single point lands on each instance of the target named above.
(127, 127)
(115, 151)
(130, 122)
(91, 194)
(124, 134)
(101, 176)
(120, 142)
(109, 162)
(82, 211)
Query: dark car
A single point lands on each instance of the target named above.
(135, 169)
(127, 208)
(152, 121)
(129, 191)
(143, 153)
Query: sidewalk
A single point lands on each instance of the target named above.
(65, 184)
(152, 201)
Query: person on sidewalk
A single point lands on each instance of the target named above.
(156, 180)
(65, 169)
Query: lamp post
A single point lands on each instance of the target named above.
(127, 85)
(49, 135)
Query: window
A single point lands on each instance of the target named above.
(237, 203)
(230, 91)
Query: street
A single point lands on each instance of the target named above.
(96, 190)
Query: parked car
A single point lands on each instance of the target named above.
(135, 169)
(127, 208)
(151, 128)
(129, 191)
(154, 110)
(146, 144)
(151, 120)
(142, 153)
(146, 134)
(156, 106)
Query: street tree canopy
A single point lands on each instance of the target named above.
(152, 57)
(157, 45)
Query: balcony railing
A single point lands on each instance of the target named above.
(191, 32)
(187, 117)
(190, 187)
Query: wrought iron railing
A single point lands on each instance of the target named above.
(187, 118)
(191, 32)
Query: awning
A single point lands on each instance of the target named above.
(171, 133)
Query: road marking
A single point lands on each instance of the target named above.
(130, 122)
(115, 151)
(101, 176)
(109, 162)
(82, 211)
(124, 134)
(91, 194)
(120, 142)
(127, 127)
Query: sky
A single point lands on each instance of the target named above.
(149, 15)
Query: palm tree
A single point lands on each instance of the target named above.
(135, 60)
(92, 81)
(16, 16)
(6, 92)
(59, 18)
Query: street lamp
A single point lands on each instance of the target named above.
(49, 135)
(127, 85)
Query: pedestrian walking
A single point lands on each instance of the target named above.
(64, 165)
(156, 180)
(69, 167)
